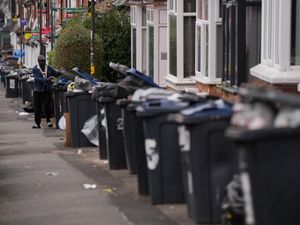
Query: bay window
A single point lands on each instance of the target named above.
(138, 37)
(209, 41)
(182, 33)
(133, 46)
(242, 38)
(280, 63)
(173, 44)
(150, 45)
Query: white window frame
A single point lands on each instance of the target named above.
(208, 75)
(136, 15)
(133, 26)
(268, 70)
(133, 15)
(270, 39)
(177, 10)
(279, 40)
(172, 6)
(294, 67)
(150, 22)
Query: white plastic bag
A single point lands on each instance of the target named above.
(90, 130)
(62, 123)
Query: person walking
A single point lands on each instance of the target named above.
(43, 80)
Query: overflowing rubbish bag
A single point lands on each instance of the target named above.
(265, 109)
(265, 129)
(82, 84)
(90, 130)
(123, 89)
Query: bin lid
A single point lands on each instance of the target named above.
(272, 96)
(245, 135)
(105, 100)
(76, 93)
(142, 76)
(85, 75)
(142, 95)
(205, 111)
(12, 76)
(164, 106)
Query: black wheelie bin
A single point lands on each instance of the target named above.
(162, 150)
(208, 159)
(81, 107)
(269, 161)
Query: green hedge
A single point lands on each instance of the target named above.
(112, 43)
(113, 28)
(72, 48)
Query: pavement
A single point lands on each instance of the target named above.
(42, 182)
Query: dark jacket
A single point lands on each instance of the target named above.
(41, 83)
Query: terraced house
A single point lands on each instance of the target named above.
(29, 24)
(216, 46)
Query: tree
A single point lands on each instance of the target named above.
(72, 48)
(113, 27)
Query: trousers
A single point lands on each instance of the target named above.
(42, 99)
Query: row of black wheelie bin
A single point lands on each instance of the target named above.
(229, 163)
(18, 83)
(173, 142)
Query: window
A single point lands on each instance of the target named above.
(202, 37)
(219, 51)
(144, 38)
(132, 14)
(202, 48)
(253, 36)
(173, 5)
(270, 39)
(133, 44)
(151, 51)
(209, 38)
(144, 16)
(189, 6)
(202, 9)
(173, 44)
(189, 46)
(199, 42)
(182, 20)
(295, 35)
(242, 25)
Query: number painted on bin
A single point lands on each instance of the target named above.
(11, 84)
(190, 182)
(152, 155)
(184, 139)
(120, 124)
(246, 187)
